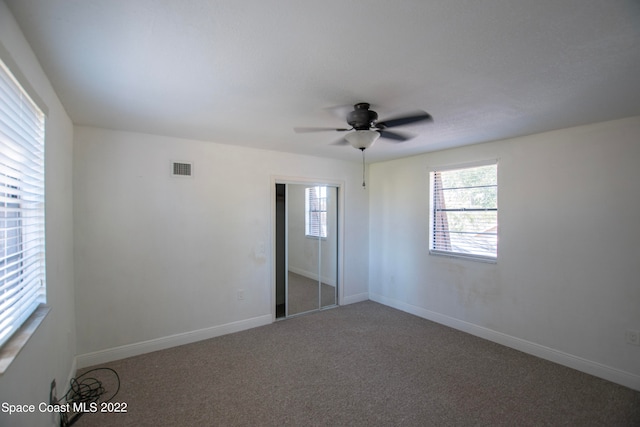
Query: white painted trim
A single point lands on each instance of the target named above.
(463, 165)
(352, 299)
(597, 369)
(130, 350)
(340, 184)
(8, 60)
(313, 276)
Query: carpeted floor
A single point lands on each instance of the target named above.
(303, 294)
(363, 364)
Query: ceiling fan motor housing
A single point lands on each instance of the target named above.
(361, 118)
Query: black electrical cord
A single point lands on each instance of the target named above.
(85, 391)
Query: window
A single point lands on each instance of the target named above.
(315, 208)
(22, 260)
(464, 212)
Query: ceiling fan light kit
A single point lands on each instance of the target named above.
(362, 139)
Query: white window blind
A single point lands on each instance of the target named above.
(22, 260)
(465, 212)
(316, 211)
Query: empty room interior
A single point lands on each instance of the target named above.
(213, 168)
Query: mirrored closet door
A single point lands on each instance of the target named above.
(306, 248)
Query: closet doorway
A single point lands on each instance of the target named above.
(306, 264)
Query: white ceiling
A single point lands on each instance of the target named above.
(246, 72)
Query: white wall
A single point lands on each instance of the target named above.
(160, 259)
(565, 286)
(50, 351)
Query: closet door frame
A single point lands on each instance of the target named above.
(340, 234)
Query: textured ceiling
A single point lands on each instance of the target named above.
(247, 72)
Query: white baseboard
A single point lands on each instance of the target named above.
(608, 373)
(129, 350)
(331, 281)
(352, 299)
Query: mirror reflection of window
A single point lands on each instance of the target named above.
(315, 211)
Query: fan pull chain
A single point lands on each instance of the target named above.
(364, 185)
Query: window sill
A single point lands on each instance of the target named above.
(11, 348)
(478, 258)
(315, 237)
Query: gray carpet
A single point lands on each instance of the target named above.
(303, 294)
(359, 365)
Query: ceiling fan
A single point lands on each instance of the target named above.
(366, 129)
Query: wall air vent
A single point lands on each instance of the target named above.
(182, 169)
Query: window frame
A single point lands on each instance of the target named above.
(433, 215)
(23, 179)
(315, 218)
